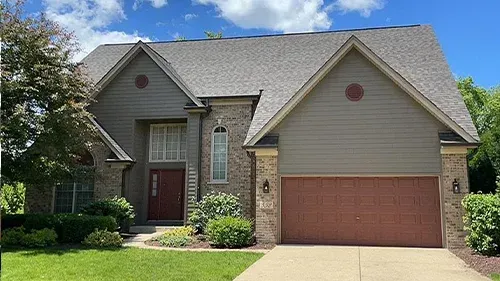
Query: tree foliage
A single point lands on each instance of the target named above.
(213, 35)
(44, 98)
(484, 107)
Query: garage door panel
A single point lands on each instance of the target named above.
(383, 211)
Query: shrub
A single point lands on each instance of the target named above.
(119, 208)
(103, 238)
(13, 198)
(71, 228)
(39, 238)
(175, 241)
(230, 232)
(177, 237)
(214, 206)
(13, 236)
(180, 231)
(482, 222)
(36, 238)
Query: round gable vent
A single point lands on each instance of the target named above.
(141, 81)
(354, 92)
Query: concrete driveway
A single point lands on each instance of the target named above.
(359, 263)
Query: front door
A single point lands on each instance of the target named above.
(166, 193)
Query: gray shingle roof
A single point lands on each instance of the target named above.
(282, 64)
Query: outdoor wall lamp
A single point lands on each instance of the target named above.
(265, 187)
(456, 186)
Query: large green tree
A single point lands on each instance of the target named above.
(44, 98)
(484, 107)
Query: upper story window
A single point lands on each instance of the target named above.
(219, 154)
(167, 143)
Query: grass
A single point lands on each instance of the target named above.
(495, 276)
(122, 264)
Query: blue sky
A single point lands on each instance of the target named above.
(469, 31)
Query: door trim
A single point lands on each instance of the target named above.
(440, 189)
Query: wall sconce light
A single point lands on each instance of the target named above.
(265, 187)
(456, 186)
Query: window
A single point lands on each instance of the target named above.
(71, 197)
(167, 143)
(219, 154)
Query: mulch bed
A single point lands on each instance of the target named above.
(483, 264)
(200, 244)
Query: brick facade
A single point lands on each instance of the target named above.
(266, 204)
(107, 183)
(454, 166)
(108, 179)
(236, 118)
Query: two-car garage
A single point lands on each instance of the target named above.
(381, 211)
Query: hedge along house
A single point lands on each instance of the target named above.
(355, 137)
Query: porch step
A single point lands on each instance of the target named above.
(150, 228)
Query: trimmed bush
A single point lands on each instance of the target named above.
(230, 232)
(119, 208)
(39, 238)
(214, 206)
(103, 238)
(177, 237)
(13, 236)
(482, 222)
(36, 238)
(70, 228)
(175, 241)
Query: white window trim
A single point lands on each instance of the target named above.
(165, 136)
(212, 180)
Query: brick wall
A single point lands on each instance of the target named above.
(236, 118)
(266, 209)
(38, 199)
(108, 178)
(454, 166)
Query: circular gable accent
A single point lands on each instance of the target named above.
(141, 81)
(354, 92)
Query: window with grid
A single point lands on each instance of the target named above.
(219, 154)
(71, 197)
(167, 142)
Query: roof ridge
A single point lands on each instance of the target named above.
(273, 35)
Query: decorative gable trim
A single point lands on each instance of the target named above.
(159, 60)
(354, 42)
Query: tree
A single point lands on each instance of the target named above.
(44, 99)
(180, 38)
(213, 35)
(484, 107)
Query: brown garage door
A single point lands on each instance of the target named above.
(381, 211)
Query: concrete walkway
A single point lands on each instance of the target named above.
(359, 264)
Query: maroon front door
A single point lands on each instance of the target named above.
(166, 193)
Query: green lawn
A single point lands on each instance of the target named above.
(122, 264)
(495, 276)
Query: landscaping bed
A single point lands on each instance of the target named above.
(199, 242)
(483, 264)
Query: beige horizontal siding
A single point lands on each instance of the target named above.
(387, 132)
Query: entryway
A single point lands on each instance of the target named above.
(347, 263)
(166, 195)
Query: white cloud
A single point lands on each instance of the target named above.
(88, 20)
(188, 17)
(364, 7)
(155, 3)
(277, 15)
